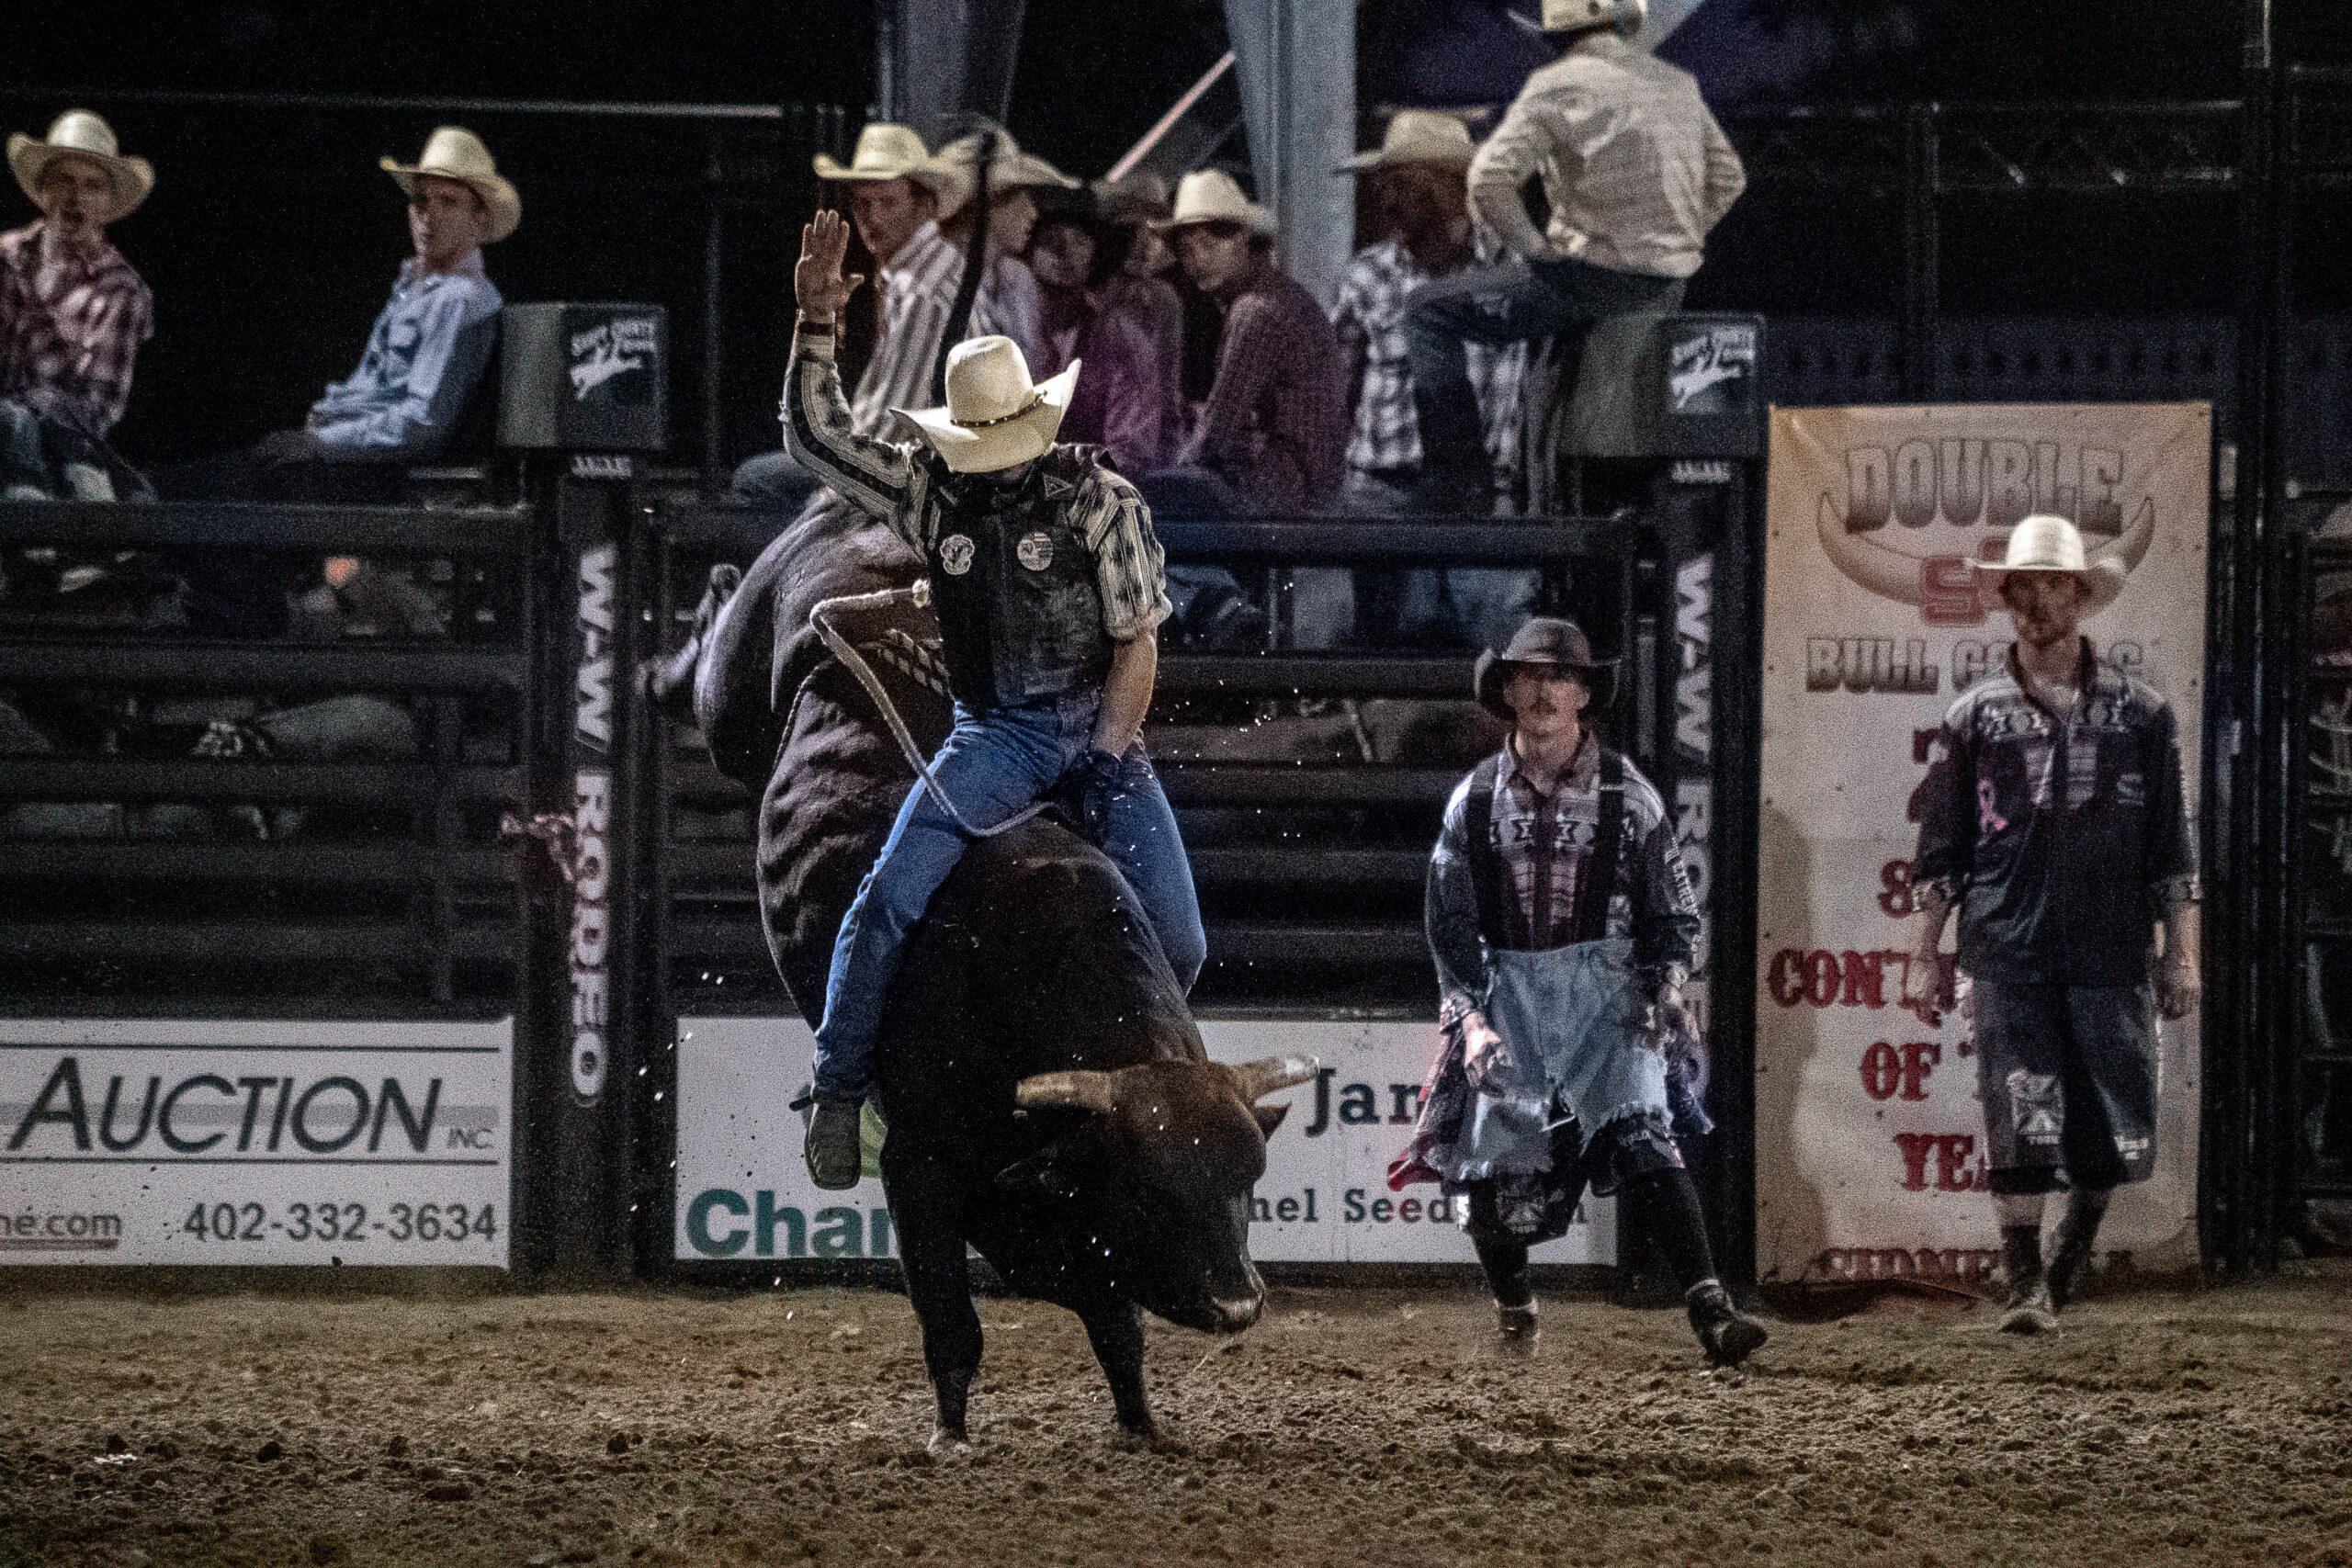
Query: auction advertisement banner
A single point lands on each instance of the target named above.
(743, 1193)
(255, 1142)
(1870, 1131)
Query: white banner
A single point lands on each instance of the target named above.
(253, 1142)
(1869, 1130)
(743, 1193)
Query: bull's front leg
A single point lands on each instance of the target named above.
(1115, 1328)
(939, 1284)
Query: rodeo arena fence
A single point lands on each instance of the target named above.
(466, 969)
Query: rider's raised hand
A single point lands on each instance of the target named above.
(817, 286)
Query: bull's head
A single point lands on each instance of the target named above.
(1154, 1177)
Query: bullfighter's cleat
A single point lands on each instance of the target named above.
(1727, 1335)
(832, 1149)
(1517, 1323)
(2030, 1310)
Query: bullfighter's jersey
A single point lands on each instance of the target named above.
(2060, 840)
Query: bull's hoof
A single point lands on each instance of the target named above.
(947, 1444)
(1152, 1438)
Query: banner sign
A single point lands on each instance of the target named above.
(745, 1195)
(253, 1142)
(1870, 1133)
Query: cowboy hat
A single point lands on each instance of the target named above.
(995, 415)
(1547, 640)
(885, 152)
(452, 152)
(1132, 199)
(78, 133)
(949, 171)
(2043, 542)
(1209, 196)
(1416, 136)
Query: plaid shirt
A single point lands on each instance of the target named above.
(1275, 424)
(889, 483)
(1540, 843)
(1388, 432)
(66, 348)
(2061, 841)
(918, 291)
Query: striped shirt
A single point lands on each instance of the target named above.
(1635, 169)
(69, 333)
(918, 287)
(891, 482)
(1387, 432)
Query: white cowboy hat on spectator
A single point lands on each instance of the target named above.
(453, 152)
(885, 152)
(1417, 136)
(995, 415)
(949, 172)
(78, 133)
(1209, 196)
(2042, 543)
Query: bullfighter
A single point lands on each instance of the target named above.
(1049, 584)
(1564, 928)
(2055, 818)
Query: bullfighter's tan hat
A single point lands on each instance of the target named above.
(2043, 542)
(78, 133)
(453, 152)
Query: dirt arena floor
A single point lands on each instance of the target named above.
(1351, 1429)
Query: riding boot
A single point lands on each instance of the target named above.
(1727, 1335)
(2028, 1310)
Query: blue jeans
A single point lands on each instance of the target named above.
(994, 763)
(1497, 305)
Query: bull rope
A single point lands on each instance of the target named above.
(855, 662)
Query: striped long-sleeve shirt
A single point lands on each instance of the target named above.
(918, 287)
(890, 482)
(70, 332)
(1635, 169)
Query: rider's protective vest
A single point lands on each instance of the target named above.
(1019, 607)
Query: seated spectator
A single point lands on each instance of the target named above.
(916, 272)
(427, 352)
(1008, 289)
(1419, 181)
(1138, 288)
(73, 314)
(1269, 439)
(1121, 404)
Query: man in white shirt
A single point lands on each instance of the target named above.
(1635, 172)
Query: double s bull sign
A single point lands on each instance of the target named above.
(1870, 1131)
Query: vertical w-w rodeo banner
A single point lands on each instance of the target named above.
(1870, 1134)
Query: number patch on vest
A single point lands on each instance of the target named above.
(1035, 551)
(955, 555)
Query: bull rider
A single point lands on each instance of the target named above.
(1563, 926)
(1050, 586)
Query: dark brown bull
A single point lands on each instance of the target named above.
(1048, 1097)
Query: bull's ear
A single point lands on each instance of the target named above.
(1269, 1117)
(1046, 1173)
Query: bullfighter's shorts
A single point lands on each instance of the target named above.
(2069, 1076)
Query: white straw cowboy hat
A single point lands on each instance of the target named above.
(885, 152)
(995, 415)
(2042, 543)
(1209, 196)
(455, 153)
(949, 172)
(1417, 136)
(78, 133)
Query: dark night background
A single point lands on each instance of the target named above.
(271, 236)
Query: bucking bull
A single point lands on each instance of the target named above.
(1047, 1093)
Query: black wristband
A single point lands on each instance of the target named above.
(817, 329)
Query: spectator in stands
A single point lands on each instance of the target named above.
(1120, 402)
(916, 272)
(1270, 440)
(1419, 180)
(73, 314)
(1138, 288)
(1635, 172)
(1008, 289)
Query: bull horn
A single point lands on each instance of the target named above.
(1891, 574)
(1085, 1090)
(1263, 1077)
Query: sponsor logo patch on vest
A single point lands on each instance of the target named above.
(1035, 551)
(955, 553)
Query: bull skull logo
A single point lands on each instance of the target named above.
(1916, 579)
